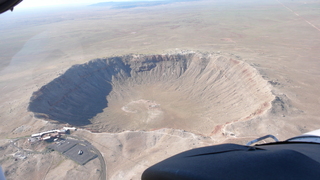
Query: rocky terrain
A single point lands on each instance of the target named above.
(141, 86)
(195, 92)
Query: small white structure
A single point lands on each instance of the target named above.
(70, 128)
(36, 135)
(55, 133)
(46, 138)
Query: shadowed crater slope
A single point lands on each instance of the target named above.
(191, 91)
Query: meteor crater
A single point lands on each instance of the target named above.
(197, 92)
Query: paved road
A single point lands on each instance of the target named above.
(102, 163)
(103, 175)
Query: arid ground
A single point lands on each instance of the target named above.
(177, 76)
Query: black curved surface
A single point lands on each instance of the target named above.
(8, 5)
(231, 161)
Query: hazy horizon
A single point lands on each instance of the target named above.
(45, 3)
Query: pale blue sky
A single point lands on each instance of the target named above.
(37, 3)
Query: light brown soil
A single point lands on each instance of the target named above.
(191, 91)
(281, 46)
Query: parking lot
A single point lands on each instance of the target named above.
(64, 145)
(76, 150)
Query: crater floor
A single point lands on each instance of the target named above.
(196, 92)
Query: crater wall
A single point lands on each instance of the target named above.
(193, 91)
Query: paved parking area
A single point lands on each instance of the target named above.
(83, 158)
(71, 148)
(64, 145)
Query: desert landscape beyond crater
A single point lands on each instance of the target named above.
(143, 81)
(196, 92)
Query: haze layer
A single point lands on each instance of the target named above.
(195, 92)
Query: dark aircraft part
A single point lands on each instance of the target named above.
(6, 5)
(279, 160)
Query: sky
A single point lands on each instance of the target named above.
(38, 3)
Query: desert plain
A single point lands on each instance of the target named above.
(142, 84)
